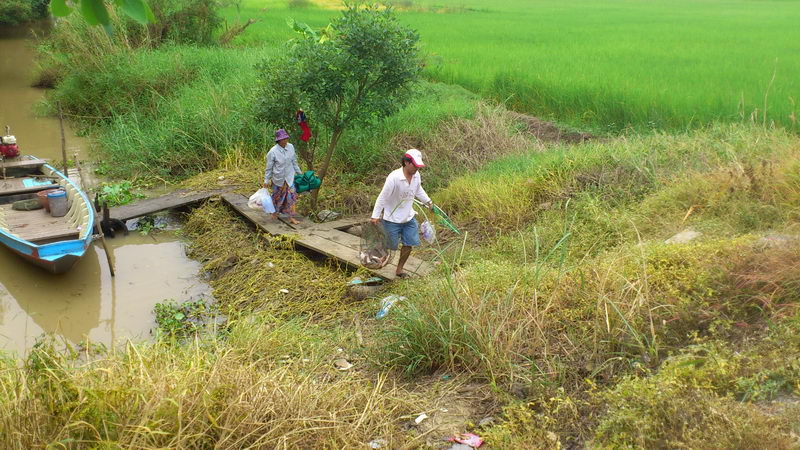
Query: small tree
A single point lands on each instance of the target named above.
(356, 71)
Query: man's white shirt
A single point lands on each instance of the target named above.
(396, 199)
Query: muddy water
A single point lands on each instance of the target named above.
(86, 303)
(38, 136)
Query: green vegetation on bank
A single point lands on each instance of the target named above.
(175, 111)
(16, 12)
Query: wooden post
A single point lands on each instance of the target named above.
(97, 229)
(63, 139)
(80, 173)
(2, 158)
(110, 262)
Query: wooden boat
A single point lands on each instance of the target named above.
(53, 243)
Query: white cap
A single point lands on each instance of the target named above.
(9, 139)
(416, 157)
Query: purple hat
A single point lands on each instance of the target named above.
(281, 134)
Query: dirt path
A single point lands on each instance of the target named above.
(549, 131)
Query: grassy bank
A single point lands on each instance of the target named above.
(575, 321)
(605, 65)
(575, 297)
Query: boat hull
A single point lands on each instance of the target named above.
(55, 257)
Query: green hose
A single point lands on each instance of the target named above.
(442, 217)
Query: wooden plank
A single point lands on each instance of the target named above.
(330, 242)
(274, 227)
(343, 253)
(29, 190)
(34, 217)
(47, 235)
(169, 201)
(23, 163)
(413, 265)
(338, 224)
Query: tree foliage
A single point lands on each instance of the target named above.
(95, 12)
(354, 72)
(15, 12)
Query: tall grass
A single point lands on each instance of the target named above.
(607, 65)
(576, 308)
(615, 293)
(269, 383)
(166, 112)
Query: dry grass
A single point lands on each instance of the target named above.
(460, 145)
(248, 271)
(268, 384)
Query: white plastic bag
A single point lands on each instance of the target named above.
(261, 200)
(428, 232)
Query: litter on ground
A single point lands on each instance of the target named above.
(386, 305)
(473, 440)
(342, 364)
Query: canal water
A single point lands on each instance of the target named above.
(86, 304)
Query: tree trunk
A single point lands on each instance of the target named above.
(337, 133)
(304, 148)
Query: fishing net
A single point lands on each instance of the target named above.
(374, 252)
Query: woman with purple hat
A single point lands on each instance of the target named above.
(281, 168)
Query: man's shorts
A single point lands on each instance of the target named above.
(407, 231)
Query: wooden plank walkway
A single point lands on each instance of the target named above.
(153, 205)
(326, 238)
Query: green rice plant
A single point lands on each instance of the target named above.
(662, 65)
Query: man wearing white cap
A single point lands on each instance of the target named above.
(394, 206)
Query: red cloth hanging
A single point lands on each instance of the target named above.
(301, 120)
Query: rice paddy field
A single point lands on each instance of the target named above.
(600, 64)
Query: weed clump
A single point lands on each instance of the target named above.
(251, 272)
(709, 393)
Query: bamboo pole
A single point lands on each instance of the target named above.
(110, 261)
(80, 173)
(97, 229)
(63, 139)
(2, 158)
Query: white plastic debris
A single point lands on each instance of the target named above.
(342, 364)
(420, 418)
(387, 303)
(428, 232)
(284, 291)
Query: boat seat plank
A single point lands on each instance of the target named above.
(23, 163)
(34, 219)
(36, 225)
(13, 186)
(49, 235)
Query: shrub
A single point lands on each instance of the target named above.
(15, 12)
